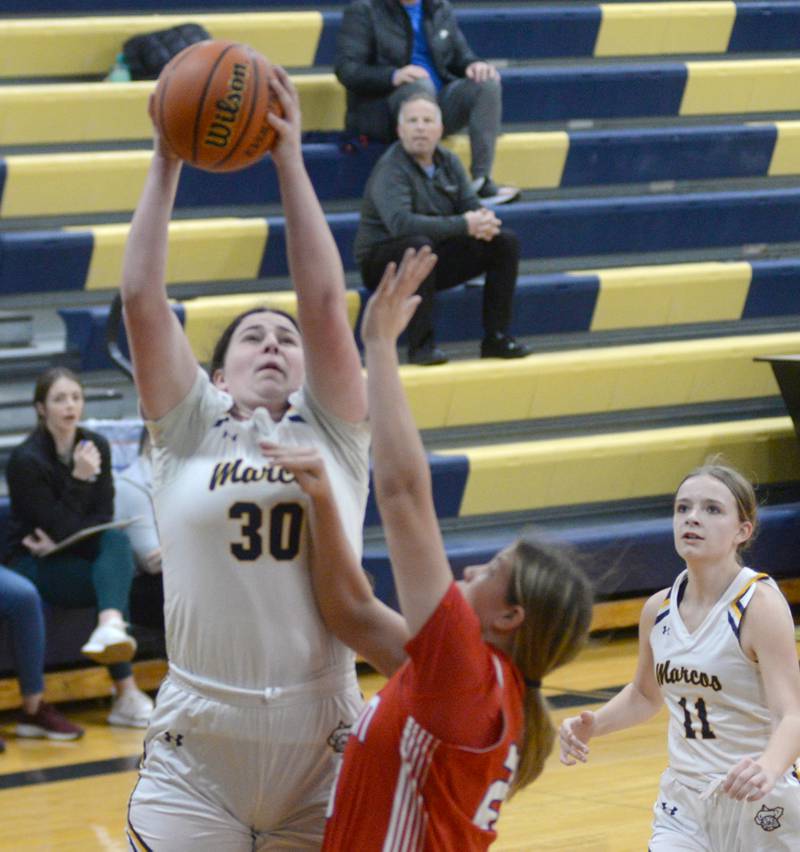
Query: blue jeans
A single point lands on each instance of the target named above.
(21, 605)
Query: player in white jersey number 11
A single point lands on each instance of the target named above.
(718, 649)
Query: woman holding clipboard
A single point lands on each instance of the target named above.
(60, 485)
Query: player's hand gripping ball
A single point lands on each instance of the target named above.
(211, 105)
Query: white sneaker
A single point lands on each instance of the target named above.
(490, 194)
(110, 643)
(131, 710)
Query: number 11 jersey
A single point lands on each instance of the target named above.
(713, 690)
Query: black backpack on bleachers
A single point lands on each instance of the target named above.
(148, 53)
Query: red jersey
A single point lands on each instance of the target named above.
(431, 758)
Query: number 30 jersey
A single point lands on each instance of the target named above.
(714, 692)
(238, 601)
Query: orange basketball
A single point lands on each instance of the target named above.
(211, 106)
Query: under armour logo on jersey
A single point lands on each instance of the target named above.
(769, 818)
(339, 736)
(176, 738)
(665, 630)
(668, 809)
(231, 435)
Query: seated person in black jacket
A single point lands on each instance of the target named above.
(59, 483)
(389, 49)
(419, 194)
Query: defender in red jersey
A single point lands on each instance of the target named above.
(433, 755)
(462, 722)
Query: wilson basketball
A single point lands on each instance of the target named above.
(211, 105)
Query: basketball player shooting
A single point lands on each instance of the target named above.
(240, 753)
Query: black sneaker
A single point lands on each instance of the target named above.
(500, 345)
(427, 356)
(490, 193)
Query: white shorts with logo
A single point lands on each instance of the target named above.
(683, 822)
(233, 770)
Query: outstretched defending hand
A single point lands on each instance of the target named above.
(574, 736)
(394, 301)
(289, 126)
(305, 463)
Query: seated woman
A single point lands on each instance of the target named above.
(21, 605)
(59, 483)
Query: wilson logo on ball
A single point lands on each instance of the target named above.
(228, 109)
(212, 105)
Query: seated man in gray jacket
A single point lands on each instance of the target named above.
(389, 49)
(419, 194)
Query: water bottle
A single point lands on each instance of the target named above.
(120, 73)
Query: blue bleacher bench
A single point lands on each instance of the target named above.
(77, 259)
(100, 182)
(499, 31)
(558, 303)
(83, 112)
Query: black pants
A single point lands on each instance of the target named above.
(460, 258)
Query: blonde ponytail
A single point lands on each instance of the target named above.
(557, 598)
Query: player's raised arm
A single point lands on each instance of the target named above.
(332, 361)
(163, 363)
(400, 467)
(344, 595)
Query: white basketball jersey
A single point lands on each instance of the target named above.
(239, 605)
(714, 692)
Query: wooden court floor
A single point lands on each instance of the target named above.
(72, 796)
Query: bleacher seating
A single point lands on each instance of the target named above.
(628, 298)
(98, 183)
(297, 38)
(660, 231)
(47, 113)
(235, 249)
